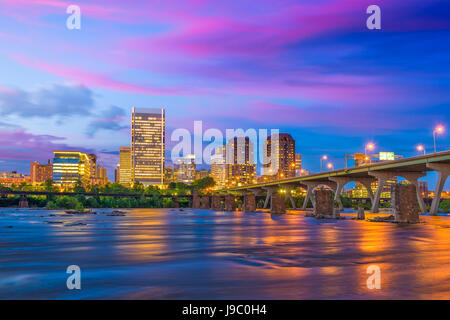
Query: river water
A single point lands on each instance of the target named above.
(204, 254)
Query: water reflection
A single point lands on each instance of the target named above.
(195, 254)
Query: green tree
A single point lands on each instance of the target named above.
(79, 187)
(204, 183)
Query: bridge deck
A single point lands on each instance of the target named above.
(413, 164)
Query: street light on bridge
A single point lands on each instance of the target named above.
(439, 129)
(421, 148)
(370, 146)
(324, 157)
(330, 166)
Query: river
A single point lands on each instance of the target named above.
(205, 254)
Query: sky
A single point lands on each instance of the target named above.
(309, 68)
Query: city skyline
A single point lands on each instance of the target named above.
(329, 82)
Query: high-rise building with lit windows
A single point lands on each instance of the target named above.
(147, 146)
(102, 175)
(125, 166)
(298, 165)
(218, 167)
(281, 151)
(186, 169)
(70, 167)
(40, 172)
(240, 164)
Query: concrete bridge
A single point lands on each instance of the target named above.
(409, 168)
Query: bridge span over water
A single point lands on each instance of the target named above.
(411, 169)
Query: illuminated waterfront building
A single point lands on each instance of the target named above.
(240, 164)
(9, 179)
(170, 174)
(201, 174)
(147, 146)
(117, 174)
(125, 166)
(40, 172)
(423, 187)
(298, 165)
(281, 153)
(70, 167)
(102, 176)
(218, 168)
(186, 169)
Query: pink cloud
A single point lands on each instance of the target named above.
(95, 79)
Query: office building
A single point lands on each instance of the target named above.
(240, 163)
(170, 174)
(147, 146)
(186, 169)
(102, 176)
(10, 179)
(200, 174)
(125, 166)
(218, 168)
(298, 165)
(280, 149)
(39, 173)
(72, 166)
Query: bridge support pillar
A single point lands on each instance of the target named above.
(382, 177)
(404, 202)
(249, 202)
(278, 204)
(205, 202)
(309, 193)
(23, 202)
(413, 178)
(269, 195)
(340, 183)
(215, 202)
(311, 185)
(323, 202)
(291, 198)
(443, 170)
(195, 200)
(230, 203)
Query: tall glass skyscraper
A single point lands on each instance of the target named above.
(148, 146)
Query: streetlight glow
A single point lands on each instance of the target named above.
(438, 129)
(421, 148)
(324, 157)
(369, 146)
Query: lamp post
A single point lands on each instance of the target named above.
(321, 162)
(330, 166)
(438, 129)
(370, 146)
(421, 148)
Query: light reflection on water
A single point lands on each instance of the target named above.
(202, 254)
